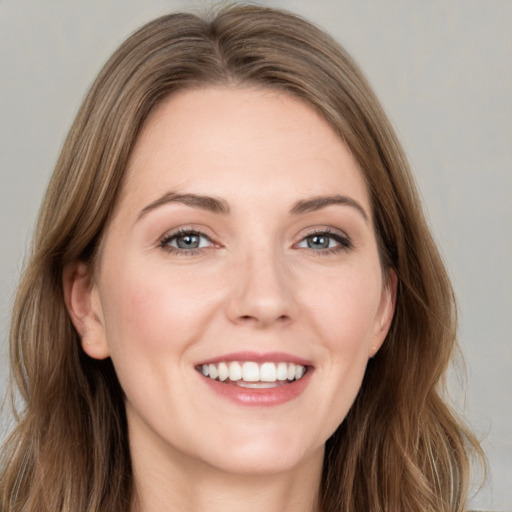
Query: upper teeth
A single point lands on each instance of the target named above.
(250, 371)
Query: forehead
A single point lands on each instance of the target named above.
(265, 142)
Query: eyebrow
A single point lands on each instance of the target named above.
(208, 203)
(216, 205)
(317, 203)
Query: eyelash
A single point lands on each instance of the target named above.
(343, 242)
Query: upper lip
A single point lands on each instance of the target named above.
(270, 357)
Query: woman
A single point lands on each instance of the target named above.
(233, 300)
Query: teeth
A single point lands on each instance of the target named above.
(268, 372)
(282, 371)
(250, 372)
(265, 375)
(223, 371)
(235, 371)
(257, 385)
(213, 373)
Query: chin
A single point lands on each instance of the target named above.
(263, 456)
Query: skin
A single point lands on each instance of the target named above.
(257, 283)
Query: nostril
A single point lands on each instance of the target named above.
(262, 320)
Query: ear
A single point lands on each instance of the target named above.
(385, 312)
(83, 303)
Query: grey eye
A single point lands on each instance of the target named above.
(188, 241)
(319, 242)
(325, 242)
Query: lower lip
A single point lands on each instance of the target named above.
(266, 397)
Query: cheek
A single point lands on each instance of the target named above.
(343, 316)
(154, 313)
(344, 311)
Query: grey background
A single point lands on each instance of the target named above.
(443, 71)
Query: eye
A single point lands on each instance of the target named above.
(185, 241)
(325, 241)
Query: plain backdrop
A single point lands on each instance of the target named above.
(443, 71)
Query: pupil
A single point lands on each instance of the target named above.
(318, 242)
(188, 242)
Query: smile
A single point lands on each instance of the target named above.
(250, 374)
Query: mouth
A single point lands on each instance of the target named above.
(253, 375)
(257, 380)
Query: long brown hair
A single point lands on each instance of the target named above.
(399, 449)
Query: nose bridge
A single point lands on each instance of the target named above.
(262, 290)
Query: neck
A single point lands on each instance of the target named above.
(177, 483)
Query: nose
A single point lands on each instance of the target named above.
(262, 291)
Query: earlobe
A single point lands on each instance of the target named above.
(386, 312)
(84, 308)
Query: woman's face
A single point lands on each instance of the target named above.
(239, 291)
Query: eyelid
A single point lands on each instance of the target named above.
(189, 228)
